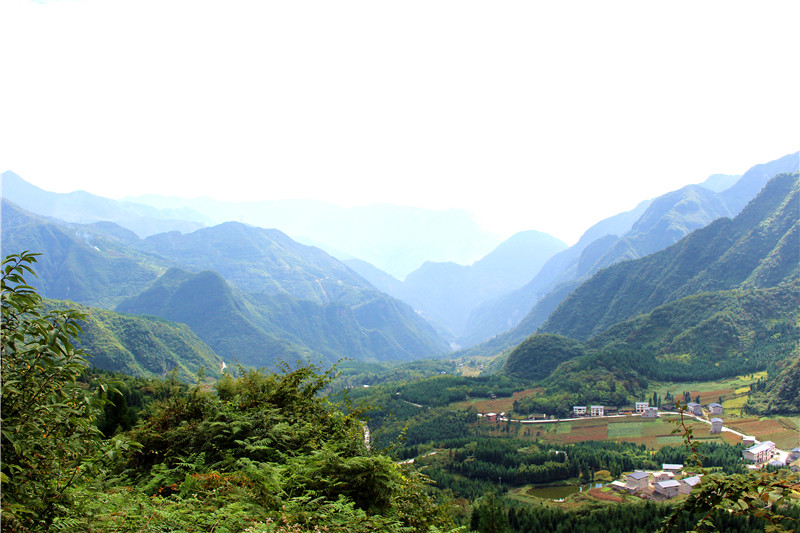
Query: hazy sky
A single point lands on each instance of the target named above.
(533, 115)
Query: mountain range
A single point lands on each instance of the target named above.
(255, 295)
(650, 227)
(723, 301)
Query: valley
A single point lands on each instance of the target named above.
(264, 379)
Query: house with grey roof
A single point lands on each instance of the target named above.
(669, 488)
(715, 408)
(760, 453)
(636, 481)
(688, 483)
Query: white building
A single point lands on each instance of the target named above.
(666, 467)
(760, 453)
(715, 408)
(579, 409)
(641, 406)
(716, 425)
(748, 440)
(695, 408)
(596, 410)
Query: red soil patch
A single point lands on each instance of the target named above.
(497, 405)
(712, 396)
(605, 496)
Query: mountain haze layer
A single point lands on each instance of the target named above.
(84, 208)
(446, 293)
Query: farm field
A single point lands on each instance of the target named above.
(782, 430)
(732, 391)
(653, 433)
(497, 405)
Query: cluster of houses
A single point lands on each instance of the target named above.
(668, 483)
(646, 411)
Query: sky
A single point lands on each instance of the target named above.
(532, 115)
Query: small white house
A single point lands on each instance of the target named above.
(668, 489)
(641, 406)
(638, 480)
(716, 425)
(748, 440)
(715, 408)
(579, 410)
(491, 417)
(666, 467)
(596, 410)
(760, 453)
(650, 412)
(688, 483)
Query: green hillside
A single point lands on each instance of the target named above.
(259, 329)
(703, 337)
(258, 260)
(207, 304)
(83, 263)
(141, 346)
(758, 248)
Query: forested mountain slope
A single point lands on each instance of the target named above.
(707, 336)
(142, 346)
(651, 227)
(310, 303)
(758, 248)
(258, 260)
(89, 264)
(259, 329)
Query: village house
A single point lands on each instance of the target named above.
(671, 468)
(663, 476)
(650, 412)
(688, 483)
(695, 408)
(641, 406)
(794, 455)
(716, 425)
(668, 489)
(596, 410)
(637, 481)
(579, 410)
(715, 408)
(491, 417)
(748, 440)
(760, 453)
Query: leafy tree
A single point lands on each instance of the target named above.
(49, 438)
